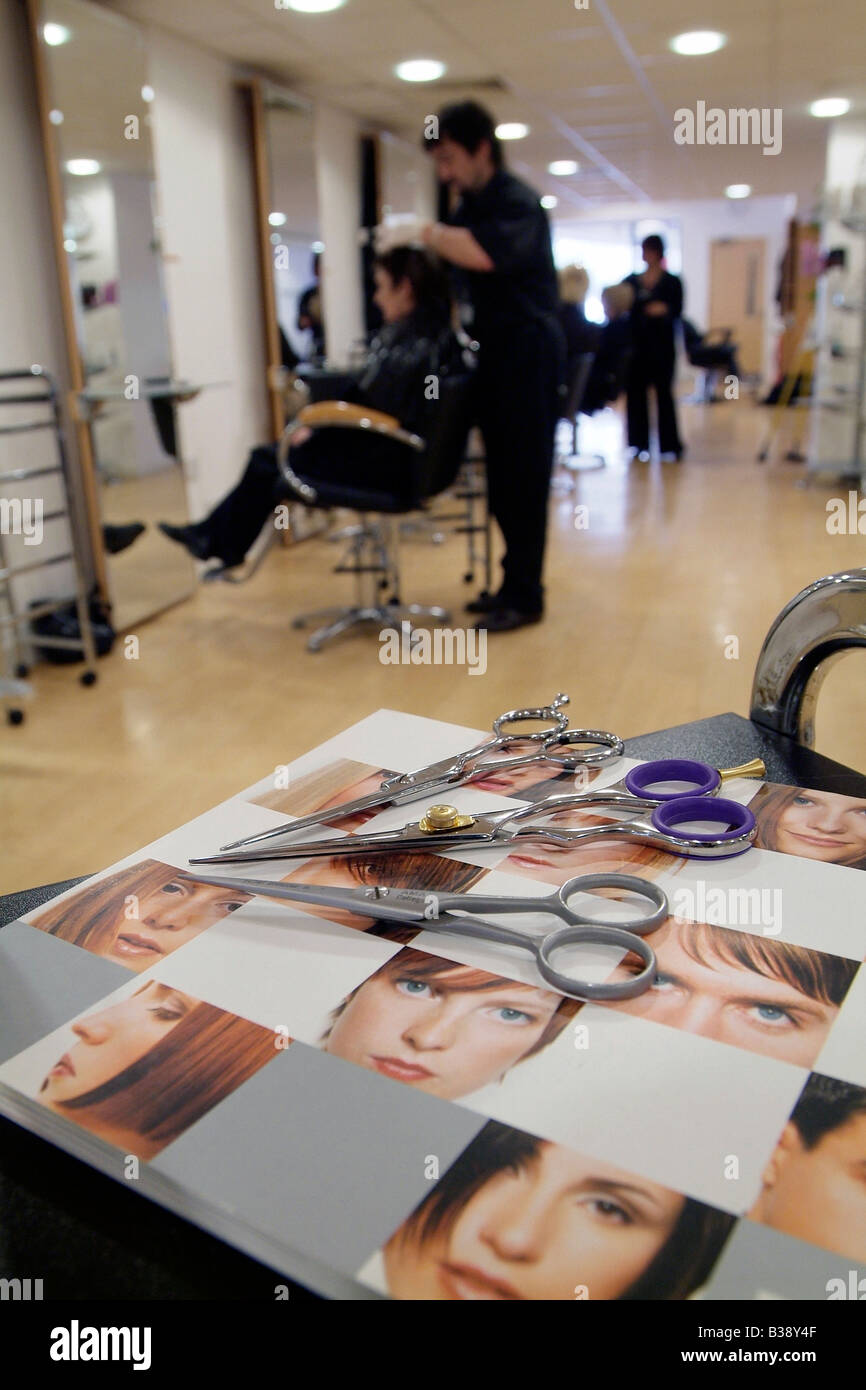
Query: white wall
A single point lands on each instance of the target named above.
(206, 204)
(30, 322)
(337, 146)
(702, 221)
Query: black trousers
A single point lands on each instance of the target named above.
(233, 525)
(654, 372)
(518, 408)
(344, 460)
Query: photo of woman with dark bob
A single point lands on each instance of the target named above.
(812, 824)
(444, 1028)
(516, 1217)
(137, 915)
(431, 873)
(148, 1066)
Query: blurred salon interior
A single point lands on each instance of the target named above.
(324, 320)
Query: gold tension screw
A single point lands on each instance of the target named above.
(444, 818)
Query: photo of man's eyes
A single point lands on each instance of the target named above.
(747, 991)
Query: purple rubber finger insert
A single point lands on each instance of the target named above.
(704, 780)
(683, 809)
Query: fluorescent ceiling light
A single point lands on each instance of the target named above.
(56, 34)
(698, 41)
(420, 70)
(55, 117)
(277, 219)
(147, 92)
(70, 245)
(738, 190)
(317, 247)
(512, 130)
(549, 201)
(83, 166)
(315, 6)
(563, 167)
(830, 106)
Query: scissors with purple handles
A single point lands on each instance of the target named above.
(659, 819)
(561, 748)
(450, 912)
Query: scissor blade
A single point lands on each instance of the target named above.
(407, 905)
(409, 837)
(349, 808)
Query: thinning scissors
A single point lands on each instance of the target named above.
(660, 825)
(449, 912)
(559, 746)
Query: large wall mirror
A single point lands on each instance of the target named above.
(289, 236)
(94, 83)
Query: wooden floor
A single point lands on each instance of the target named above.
(676, 561)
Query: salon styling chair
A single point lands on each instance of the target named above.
(819, 625)
(424, 468)
(575, 462)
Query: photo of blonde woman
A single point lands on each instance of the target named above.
(516, 1217)
(748, 991)
(145, 1068)
(431, 873)
(812, 824)
(138, 915)
(331, 785)
(444, 1028)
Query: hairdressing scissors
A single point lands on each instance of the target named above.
(555, 744)
(449, 912)
(658, 824)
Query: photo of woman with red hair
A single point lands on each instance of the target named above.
(137, 915)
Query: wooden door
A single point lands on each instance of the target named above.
(737, 296)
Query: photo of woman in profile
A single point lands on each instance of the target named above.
(149, 1066)
(516, 1217)
(444, 1028)
(812, 824)
(137, 915)
(431, 873)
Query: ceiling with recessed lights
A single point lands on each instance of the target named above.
(599, 85)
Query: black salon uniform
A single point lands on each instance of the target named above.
(652, 363)
(520, 371)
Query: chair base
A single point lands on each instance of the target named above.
(346, 619)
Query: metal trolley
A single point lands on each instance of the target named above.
(42, 412)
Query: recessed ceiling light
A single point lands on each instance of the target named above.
(698, 41)
(147, 92)
(70, 245)
(56, 34)
(314, 6)
(830, 106)
(276, 239)
(549, 201)
(83, 166)
(277, 219)
(738, 190)
(55, 117)
(563, 167)
(317, 248)
(511, 130)
(420, 70)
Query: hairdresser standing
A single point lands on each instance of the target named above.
(658, 305)
(499, 237)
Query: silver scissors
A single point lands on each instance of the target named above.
(449, 912)
(558, 745)
(652, 822)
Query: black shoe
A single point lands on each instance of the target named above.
(507, 620)
(117, 538)
(484, 603)
(189, 538)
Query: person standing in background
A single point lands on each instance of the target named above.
(658, 304)
(499, 236)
